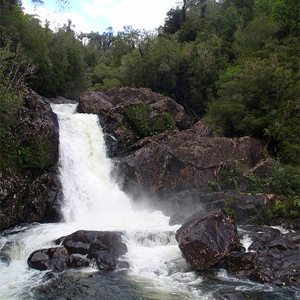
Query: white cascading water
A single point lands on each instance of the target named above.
(92, 201)
(91, 198)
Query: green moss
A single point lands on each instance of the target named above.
(137, 118)
(230, 212)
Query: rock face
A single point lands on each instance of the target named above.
(82, 249)
(204, 242)
(25, 200)
(184, 160)
(29, 197)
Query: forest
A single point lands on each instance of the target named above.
(233, 62)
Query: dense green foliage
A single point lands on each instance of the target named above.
(234, 62)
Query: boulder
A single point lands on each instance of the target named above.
(204, 242)
(82, 249)
(88, 242)
(94, 103)
(55, 259)
(48, 259)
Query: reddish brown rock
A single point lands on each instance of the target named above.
(204, 242)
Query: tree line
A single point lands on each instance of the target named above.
(233, 62)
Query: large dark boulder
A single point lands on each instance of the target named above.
(89, 242)
(204, 242)
(81, 249)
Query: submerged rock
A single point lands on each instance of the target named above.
(204, 242)
(81, 249)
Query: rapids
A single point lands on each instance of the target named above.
(93, 201)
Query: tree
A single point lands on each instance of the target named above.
(286, 14)
(255, 36)
(173, 20)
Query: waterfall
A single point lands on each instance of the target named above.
(93, 201)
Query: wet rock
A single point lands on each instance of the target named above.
(87, 242)
(240, 261)
(80, 249)
(48, 259)
(123, 264)
(204, 242)
(106, 260)
(75, 261)
(274, 258)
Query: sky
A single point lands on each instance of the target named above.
(98, 15)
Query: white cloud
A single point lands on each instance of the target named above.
(98, 15)
(140, 14)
